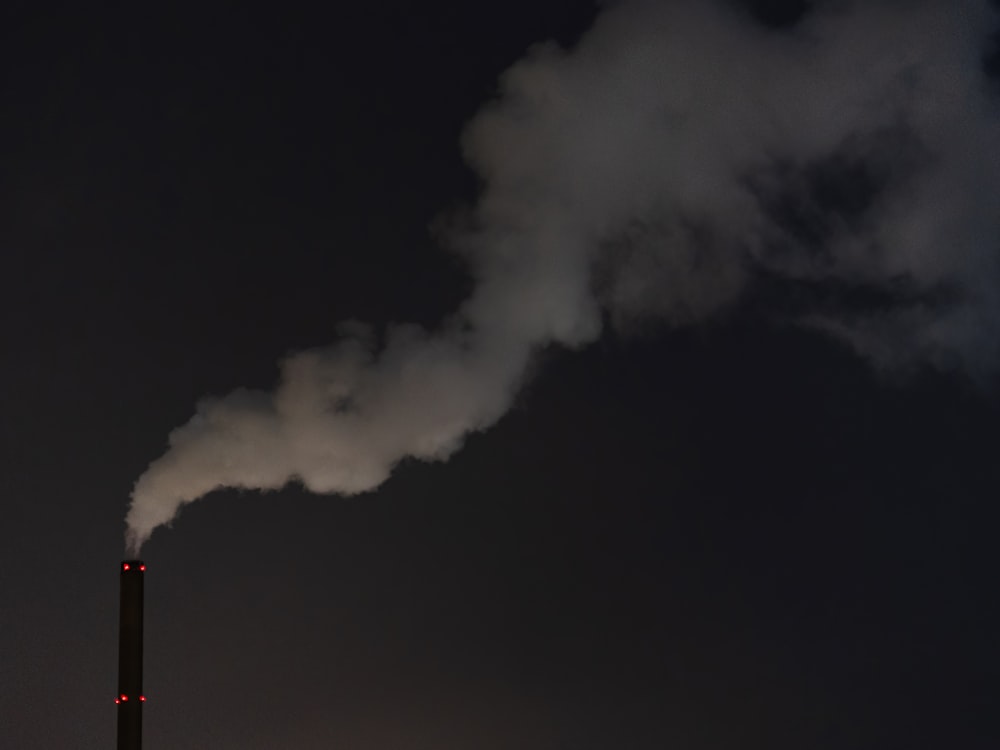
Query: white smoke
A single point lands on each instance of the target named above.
(678, 154)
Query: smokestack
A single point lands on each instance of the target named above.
(130, 697)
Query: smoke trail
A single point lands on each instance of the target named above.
(676, 161)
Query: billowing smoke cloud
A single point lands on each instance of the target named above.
(675, 162)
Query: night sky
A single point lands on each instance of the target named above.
(728, 531)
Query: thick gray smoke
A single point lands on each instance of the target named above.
(679, 159)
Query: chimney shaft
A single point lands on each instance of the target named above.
(130, 697)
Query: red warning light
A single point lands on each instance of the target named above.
(124, 698)
(142, 698)
(118, 700)
(124, 566)
(142, 568)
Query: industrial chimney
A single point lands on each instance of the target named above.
(130, 697)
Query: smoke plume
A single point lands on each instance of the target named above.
(678, 160)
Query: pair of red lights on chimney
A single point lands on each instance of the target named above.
(126, 566)
(124, 699)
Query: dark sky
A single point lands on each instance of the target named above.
(734, 535)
